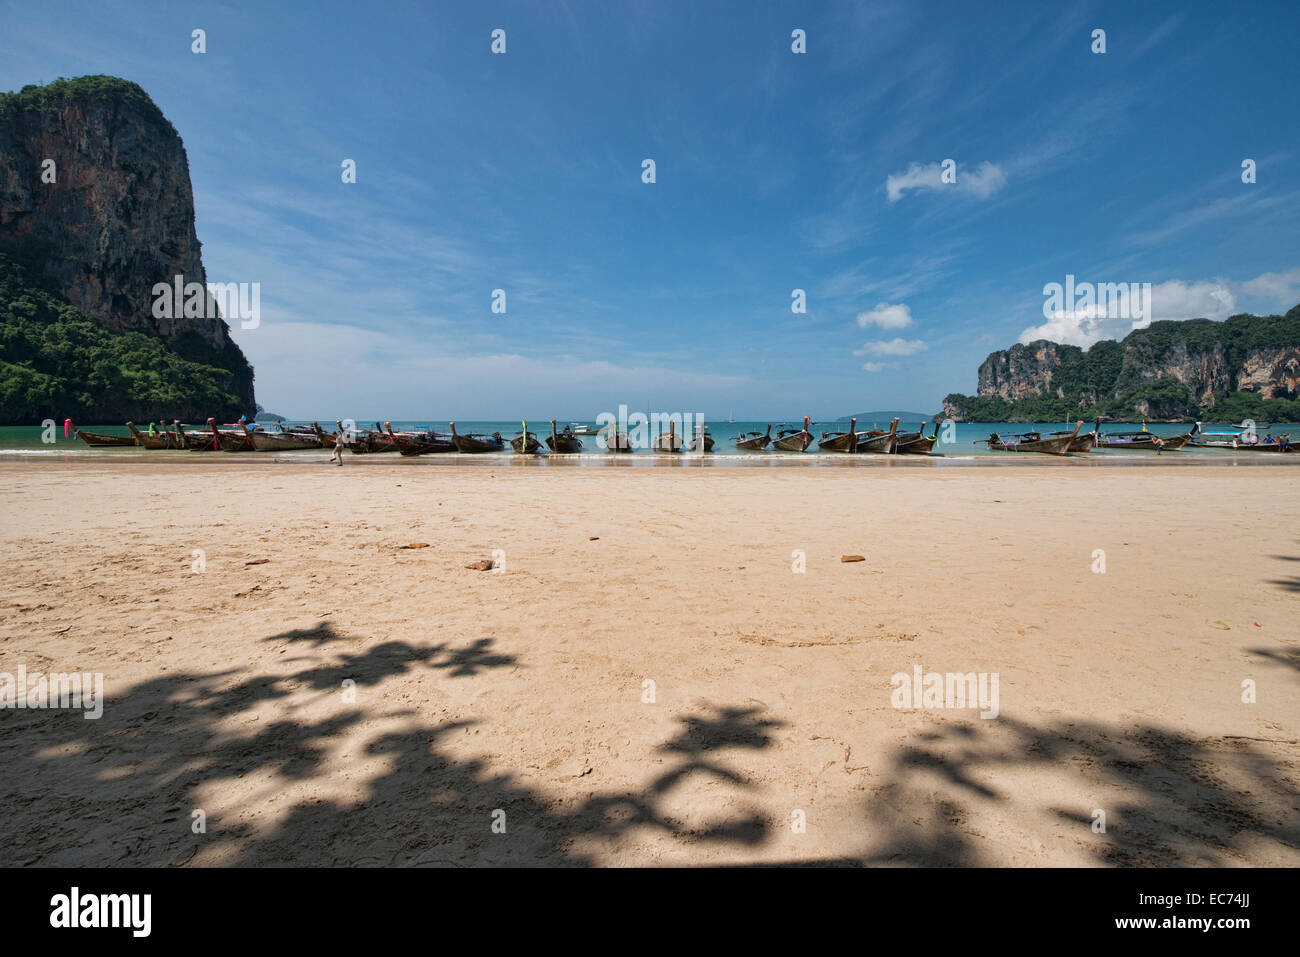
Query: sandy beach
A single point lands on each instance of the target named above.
(666, 667)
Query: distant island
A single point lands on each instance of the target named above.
(96, 208)
(886, 417)
(1245, 367)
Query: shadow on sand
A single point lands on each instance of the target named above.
(121, 790)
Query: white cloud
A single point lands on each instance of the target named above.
(1174, 299)
(1081, 328)
(986, 180)
(892, 347)
(1282, 289)
(878, 366)
(1201, 299)
(886, 316)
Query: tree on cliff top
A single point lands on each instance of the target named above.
(99, 89)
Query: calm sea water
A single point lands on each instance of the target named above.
(26, 441)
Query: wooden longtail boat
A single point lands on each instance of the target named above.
(366, 441)
(793, 440)
(1081, 442)
(230, 440)
(476, 442)
(1241, 441)
(525, 443)
(565, 442)
(754, 441)
(916, 443)
(840, 441)
(879, 442)
(702, 442)
(672, 442)
(97, 440)
(614, 440)
(148, 440)
(262, 441)
(420, 443)
(1141, 441)
(326, 439)
(1031, 442)
(196, 440)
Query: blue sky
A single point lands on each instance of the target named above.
(775, 171)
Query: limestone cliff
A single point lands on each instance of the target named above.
(117, 217)
(1245, 366)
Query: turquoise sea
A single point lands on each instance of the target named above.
(26, 442)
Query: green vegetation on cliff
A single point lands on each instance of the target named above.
(56, 362)
(1134, 377)
(82, 89)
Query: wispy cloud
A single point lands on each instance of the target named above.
(985, 180)
(897, 346)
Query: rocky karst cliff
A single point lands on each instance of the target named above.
(117, 218)
(1245, 366)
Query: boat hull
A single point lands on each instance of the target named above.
(798, 442)
(1145, 444)
(842, 442)
(754, 445)
(97, 440)
(882, 444)
(158, 440)
(234, 442)
(532, 446)
(920, 445)
(1056, 446)
(421, 444)
(618, 442)
(475, 446)
(264, 442)
(564, 444)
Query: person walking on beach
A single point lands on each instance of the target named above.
(338, 449)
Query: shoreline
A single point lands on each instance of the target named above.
(651, 460)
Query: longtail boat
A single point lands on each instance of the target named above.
(366, 441)
(327, 439)
(263, 441)
(840, 441)
(565, 442)
(916, 443)
(420, 443)
(1281, 444)
(1245, 440)
(1031, 442)
(793, 440)
(97, 440)
(196, 440)
(754, 441)
(702, 442)
(614, 440)
(525, 443)
(150, 440)
(1079, 441)
(1142, 441)
(672, 442)
(477, 442)
(879, 441)
(229, 440)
